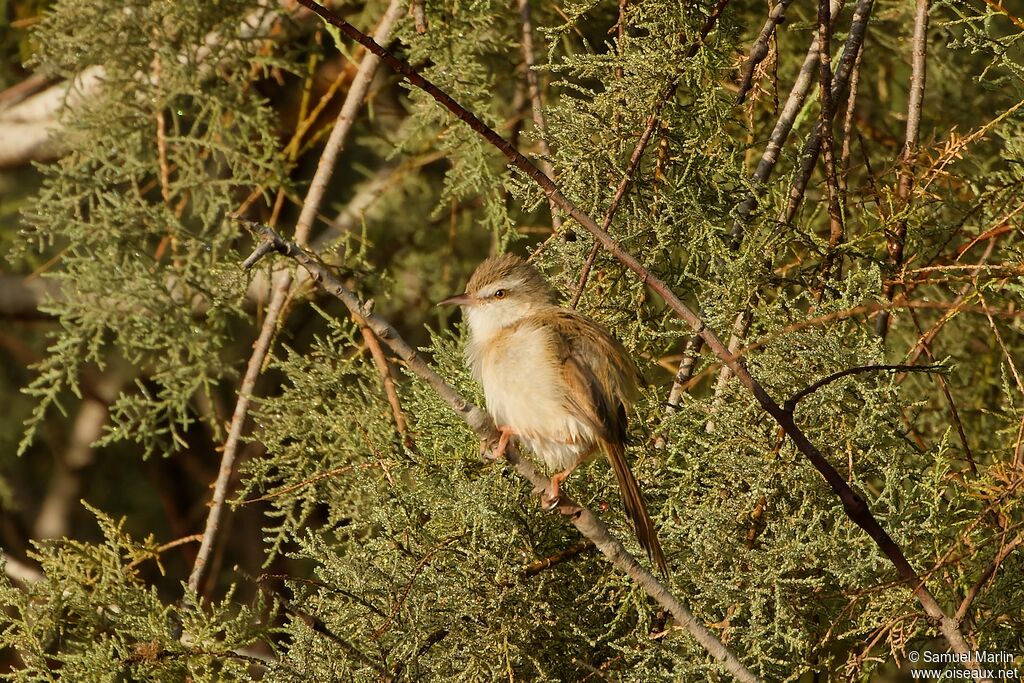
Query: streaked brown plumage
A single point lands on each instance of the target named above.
(553, 378)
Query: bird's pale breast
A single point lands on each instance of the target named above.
(524, 388)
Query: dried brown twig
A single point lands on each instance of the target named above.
(759, 50)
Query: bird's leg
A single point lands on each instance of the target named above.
(549, 498)
(499, 451)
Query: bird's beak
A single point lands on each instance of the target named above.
(456, 300)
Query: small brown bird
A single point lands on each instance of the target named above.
(557, 381)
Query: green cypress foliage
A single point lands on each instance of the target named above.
(351, 551)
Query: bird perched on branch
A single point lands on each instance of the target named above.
(555, 380)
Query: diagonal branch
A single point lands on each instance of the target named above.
(854, 506)
(588, 524)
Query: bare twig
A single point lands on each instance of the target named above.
(386, 378)
(227, 462)
(783, 127)
(759, 50)
(851, 105)
(572, 551)
(583, 519)
(812, 148)
(896, 238)
(691, 352)
(972, 593)
(954, 413)
(790, 404)
(854, 506)
(419, 16)
(279, 293)
(311, 480)
(835, 214)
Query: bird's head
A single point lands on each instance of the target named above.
(501, 291)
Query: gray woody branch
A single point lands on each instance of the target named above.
(480, 422)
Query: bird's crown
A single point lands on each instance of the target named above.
(509, 275)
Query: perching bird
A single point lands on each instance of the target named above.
(557, 381)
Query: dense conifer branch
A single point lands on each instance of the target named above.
(853, 504)
(588, 524)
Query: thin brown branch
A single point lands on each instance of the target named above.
(851, 106)
(896, 238)
(311, 480)
(227, 463)
(317, 625)
(537, 566)
(161, 549)
(812, 148)
(997, 5)
(825, 123)
(419, 16)
(379, 631)
(854, 506)
(691, 352)
(780, 133)
(975, 589)
(759, 50)
(388, 381)
(790, 404)
(954, 413)
(480, 422)
(343, 124)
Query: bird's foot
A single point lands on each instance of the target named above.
(498, 453)
(549, 498)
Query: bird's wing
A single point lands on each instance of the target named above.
(603, 381)
(599, 368)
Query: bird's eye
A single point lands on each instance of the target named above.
(500, 294)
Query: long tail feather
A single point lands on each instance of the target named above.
(636, 507)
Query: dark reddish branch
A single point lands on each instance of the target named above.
(896, 238)
(853, 504)
(634, 159)
(759, 50)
